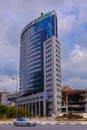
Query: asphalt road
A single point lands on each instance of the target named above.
(45, 127)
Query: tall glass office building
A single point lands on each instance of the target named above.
(31, 52)
(40, 66)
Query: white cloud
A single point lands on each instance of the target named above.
(7, 83)
(76, 83)
(78, 55)
(11, 60)
(77, 60)
(65, 23)
(14, 15)
(2, 65)
(74, 68)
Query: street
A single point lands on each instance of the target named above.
(45, 127)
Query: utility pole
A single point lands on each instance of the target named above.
(16, 79)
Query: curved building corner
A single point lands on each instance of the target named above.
(40, 66)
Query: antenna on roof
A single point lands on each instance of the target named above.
(41, 13)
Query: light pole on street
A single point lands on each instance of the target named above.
(16, 79)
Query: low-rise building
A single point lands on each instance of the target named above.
(12, 99)
(74, 101)
(3, 97)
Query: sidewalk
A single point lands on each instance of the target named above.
(51, 122)
(6, 122)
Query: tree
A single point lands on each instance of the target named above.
(10, 112)
(23, 112)
(3, 111)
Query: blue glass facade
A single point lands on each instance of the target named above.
(31, 52)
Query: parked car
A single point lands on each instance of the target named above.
(23, 122)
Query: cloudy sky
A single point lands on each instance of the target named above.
(72, 34)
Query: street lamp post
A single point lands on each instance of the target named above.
(17, 96)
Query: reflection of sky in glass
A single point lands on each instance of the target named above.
(44, 24)
(33, 37)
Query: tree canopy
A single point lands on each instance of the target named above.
(10, 112)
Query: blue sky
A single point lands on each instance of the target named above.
(72, 34)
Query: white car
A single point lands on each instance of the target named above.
(23, 122)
